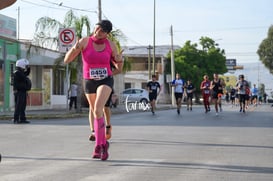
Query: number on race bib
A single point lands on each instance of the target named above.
(98, 73)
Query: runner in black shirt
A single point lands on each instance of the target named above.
(154, 89)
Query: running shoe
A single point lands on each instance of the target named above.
(104, 151)
(108, 133)
(108, 144)
(97, 152)
(22, 122)
(178, 111)
(92, 136)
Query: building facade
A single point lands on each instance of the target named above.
(143, 65)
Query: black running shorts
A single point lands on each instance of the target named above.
(91, 85)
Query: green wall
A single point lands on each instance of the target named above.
(9, 53)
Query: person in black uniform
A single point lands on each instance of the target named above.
(189, 89)
(154, 89)
(21, 84)
(217, 92)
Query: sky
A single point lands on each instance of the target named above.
(238, 26)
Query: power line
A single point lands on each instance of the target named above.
(60, 6)
(69, 7)
(40, 5)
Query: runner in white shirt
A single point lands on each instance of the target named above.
(178, 83)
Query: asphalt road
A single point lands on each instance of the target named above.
(193, 146)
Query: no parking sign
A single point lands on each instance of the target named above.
(67, 39)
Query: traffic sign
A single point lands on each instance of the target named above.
(230, 62)
(66, 39)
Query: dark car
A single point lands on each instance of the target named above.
(270, 100)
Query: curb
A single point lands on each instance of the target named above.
(62, 114)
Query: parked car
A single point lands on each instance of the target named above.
(114, 101)
(270, 100)
(135, 95)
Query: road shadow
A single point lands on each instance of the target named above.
(152, 164)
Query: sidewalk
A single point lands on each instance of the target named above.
(64, 113)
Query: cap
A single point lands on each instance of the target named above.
(22, 63)
(105, 25)
(241, 76)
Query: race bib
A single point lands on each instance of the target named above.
(206, 91)
(98, 73)
(154, 87)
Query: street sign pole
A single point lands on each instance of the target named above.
(66, 41)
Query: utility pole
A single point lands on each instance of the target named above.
(172, 64)
(99, 10)
(18, 24)
(149, 61)
(154, 43)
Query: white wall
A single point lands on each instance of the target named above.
(58, 101)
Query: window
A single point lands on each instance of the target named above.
(127, 85)
(127, 91)
(138, 91)
(143, 85)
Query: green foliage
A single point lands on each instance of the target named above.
(115, 36)
(265, 50)
(127, 65)
(193, 63)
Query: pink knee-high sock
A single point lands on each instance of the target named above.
(99, 127)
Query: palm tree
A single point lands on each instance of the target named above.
(115, 36)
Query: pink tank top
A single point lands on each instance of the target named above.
(96, 65)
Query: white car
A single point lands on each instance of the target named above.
(135, 95)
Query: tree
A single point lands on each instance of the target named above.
(192, 63)
(265, 50)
